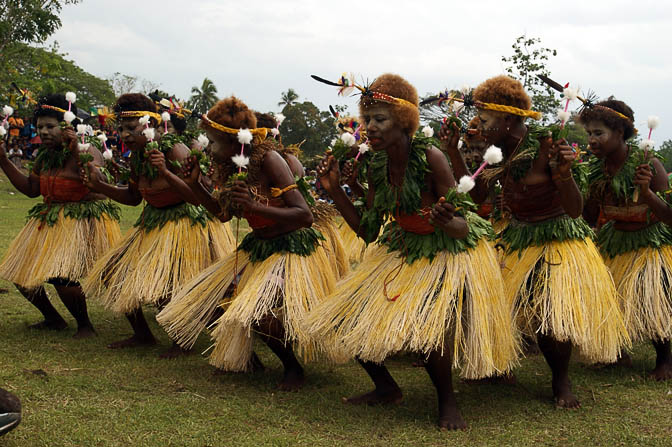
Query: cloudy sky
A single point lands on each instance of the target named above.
(257, 49)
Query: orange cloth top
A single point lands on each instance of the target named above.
(485, 210)
(61, 189)
(18, 122)
(416, 223)
(629, 214)
(160, 198)
(257, 222)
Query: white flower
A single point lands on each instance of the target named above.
(460, 144)
(240, 160)
(69, 117)
(102, 137)
(570, 93)
(364, 148)
(563, 115)
(202, 141)
(144, 120)
(81, 129)
(493, 155)
(71, 97)
(107, 155)
(466, 184)
(149, 133)
(244, 136)
(465, 89)
(653, 122)
(279, 118)
(165, 116)
(89, 130)
(275, 132)
(428, 131)
(348, 139)
(647, 145)
(3, 132)
(83, 147)
(7, 111)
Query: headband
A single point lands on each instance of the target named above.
(347, 84)
(140, 114)
(54, 108)
(259, 131)
(469, 101)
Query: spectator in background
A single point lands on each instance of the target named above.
(15, 125)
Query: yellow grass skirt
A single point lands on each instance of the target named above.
(643, 278)
(564, 289)
(355, 247)
(459, 294)
(147, 267)
(67, 249)
(334, 244)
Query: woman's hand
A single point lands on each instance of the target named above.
(69, 138)
(449, 135)
(349, 174)
(442, 213)
(561, 157)
(191, 171)
(643, 178)
(240, 195)
(158, 160)
(328, 173)
(90, 175)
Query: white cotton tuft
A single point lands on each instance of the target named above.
(364, 148)
(279, 118)
(348, 139)
(3, 132)
(107, 155)
(83, 147)
(563, 115)
(240, 160)
(466, 184)
(144, 120)
(428, 131)
(457, 107)
(165, 116)
(71, 97)
(460, 144)
(81, 129)
(69, 117)
(647, 145)
(653, 122)
(7, 111)
(275, 132)
(465, 89)
(89, 130)
(333, 142)
(149, 133)
(202, 141)
(570, 93)
(245, 136)
(493, 155)
(102, 137)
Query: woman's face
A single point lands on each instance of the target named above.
(221, 146)
(492, 126)
(602, 140)
(49, 130)
(130, 132)
(381, 128)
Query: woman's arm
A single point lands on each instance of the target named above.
(560, 158)
(180, 154)
(95, 181)
(650, 183)
(450, 138)
(28, 185)
(442, 180)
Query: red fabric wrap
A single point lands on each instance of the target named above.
(160, 198)
(61, 189)
(532, 203)
(258, 222)
(625, 214)
(485, 210)
(416, 223)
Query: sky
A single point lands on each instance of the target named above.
(259, 49)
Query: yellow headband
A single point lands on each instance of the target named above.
(140, 114)
(259, 131)
(509, 109)
(601, 107)
(383, 97)
(54, 108)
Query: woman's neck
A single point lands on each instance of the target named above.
(513, 138)
(616, 159)
(399, 153)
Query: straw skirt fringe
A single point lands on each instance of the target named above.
(564, 289)
(68, 249)
(334, 244)
(355, 247)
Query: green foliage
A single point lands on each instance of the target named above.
(203, 98)
(288, 98)
(49, 213)
(152, 217)
(623, 183)
(305, 122)
(665, 153)
(528, 60)
(48, 159)
(520, 235)
(613, 242)
(301, 242)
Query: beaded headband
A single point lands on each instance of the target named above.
(140, 114)
(259, 131)
(347, 84)
(468, 101)
(609, 109)
(54, 108)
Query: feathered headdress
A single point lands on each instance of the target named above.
(346, 84)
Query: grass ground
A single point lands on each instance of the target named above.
(79, 393)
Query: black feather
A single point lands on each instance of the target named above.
(554, 85)
(324, 81)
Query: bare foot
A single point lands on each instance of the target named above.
(174, 352)
(662, 372)
(450, 418)
(293, 380)
(500, 379)
(132, 342)
(564, 398)
(376, 397)
(84, 332)
(51, 325)
(623, 361)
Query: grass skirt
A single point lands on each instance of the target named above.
(564, 289)
(334, 244)
(148, 267)
(68, 249)
(355, 247)
(460, 294)
(643, 278)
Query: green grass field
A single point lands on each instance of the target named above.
(79, 393)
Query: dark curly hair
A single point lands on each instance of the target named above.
(134, 102)
(265, 120)
(231, 112)
(503, 90)
(394, 85)
(56, 100)
(603, 111)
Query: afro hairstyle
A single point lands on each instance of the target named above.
(134, 102)
(231, 112)
(503, 90)
(603, 112)
(55, 100)
(265, 120)
(394, 85)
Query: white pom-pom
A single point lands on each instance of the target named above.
(428, 132)
(653, 122)
(107, 155)
(244, 136)
(647, 145)
(460, 144)
(83, 147)
(570, 93)
(149, 133)
(7, 111)
(165, 116)
(81, 129)
(364, 148)
(563, 115)
(279, 118)
(240, 160)
(202, 141)
(3, 132)
(71, 97)
(102, 137)
(275, 132)
(465, 89)
(144, 120)
(466, 184)
(493, 155)
(89, 130)
(69, 117)
(348, 139)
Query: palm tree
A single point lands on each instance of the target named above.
(288, 98)
(204, 98)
